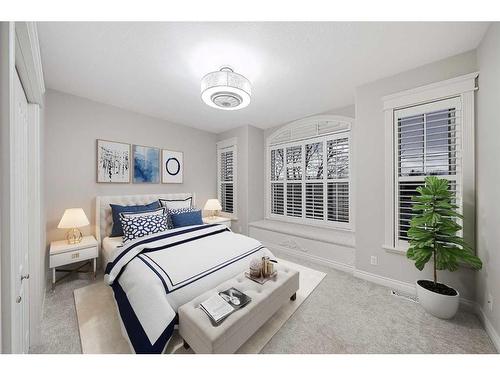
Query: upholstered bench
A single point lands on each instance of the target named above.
(202, 336)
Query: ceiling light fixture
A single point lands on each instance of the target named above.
(226, 90)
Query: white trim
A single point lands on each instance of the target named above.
(394, 250)
(443, 89)
(36, 245)
(286, 133)
(29, 62)
(390, 224)
(488, 326)
(7, 68)
(468, 174)
(226, 143)
(386, 281)
(407, 288)
(313, 258)
(338, 237)
(461, 87)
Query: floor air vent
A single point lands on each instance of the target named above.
(406, 296)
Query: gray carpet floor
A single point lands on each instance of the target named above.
(342, 315)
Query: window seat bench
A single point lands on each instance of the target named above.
(330, 246)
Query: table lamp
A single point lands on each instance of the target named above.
(73, 219)
(213, 205)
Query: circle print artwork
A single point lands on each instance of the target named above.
(172, 167)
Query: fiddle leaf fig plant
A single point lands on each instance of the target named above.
(433, 230)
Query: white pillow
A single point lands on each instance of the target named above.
(156, 211)
(174, 204)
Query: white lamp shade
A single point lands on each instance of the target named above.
(212, 205)
(73, 218)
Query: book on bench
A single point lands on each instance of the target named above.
(217, 308)
(235, 298)
(220, 306)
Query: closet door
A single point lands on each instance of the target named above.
(20, 222)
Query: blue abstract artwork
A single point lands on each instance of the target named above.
(146, 165)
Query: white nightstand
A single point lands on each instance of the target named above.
(217, 220)
(62, 253)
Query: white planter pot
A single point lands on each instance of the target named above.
(439, 305)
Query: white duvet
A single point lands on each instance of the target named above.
(153, 276)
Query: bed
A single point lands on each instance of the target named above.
(153, 276)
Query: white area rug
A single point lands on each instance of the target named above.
(100, 331)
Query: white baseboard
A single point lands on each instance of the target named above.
(400, 286)
(490, 330)
(313, 258)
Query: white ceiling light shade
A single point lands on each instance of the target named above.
(226, 90)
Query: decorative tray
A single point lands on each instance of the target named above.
(261, 280)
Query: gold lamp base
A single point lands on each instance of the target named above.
(214, 214)
(74, 236)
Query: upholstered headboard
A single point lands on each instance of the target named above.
(104, 219)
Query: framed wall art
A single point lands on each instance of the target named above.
(172, 168)
(146, 164)
(113, 162)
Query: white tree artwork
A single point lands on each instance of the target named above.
(113, 162)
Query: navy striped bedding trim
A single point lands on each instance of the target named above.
(110, 265)
(205, 273)
(152, 249)
(141, 257)
(162, 270)
(138, 337)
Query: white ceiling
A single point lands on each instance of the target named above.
(297, 69)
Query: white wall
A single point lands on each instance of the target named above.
(72, 125)
(256, 174)
(488, 175)
(368, 145)
(250, 175)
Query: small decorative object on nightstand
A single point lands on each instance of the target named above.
(217, 220)
(73, 219)
(214, 206)
(62, 253)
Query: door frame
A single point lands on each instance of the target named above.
(7, 69)
(19, 42)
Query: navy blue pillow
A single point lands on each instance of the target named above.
(185, 219)
(116, 210)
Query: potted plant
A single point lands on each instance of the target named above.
(433, 234)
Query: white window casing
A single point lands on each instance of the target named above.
(428, 131)
(227, 177)
(309, 173)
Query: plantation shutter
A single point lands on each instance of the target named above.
(309, 180)
(314, 201)
(277, 178)
(338, 179)
(277, 199)
(428, 139)
(227, 178)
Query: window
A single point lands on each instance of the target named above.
(429, 130)
(428, 144)
(309, 180)
(226, 166)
